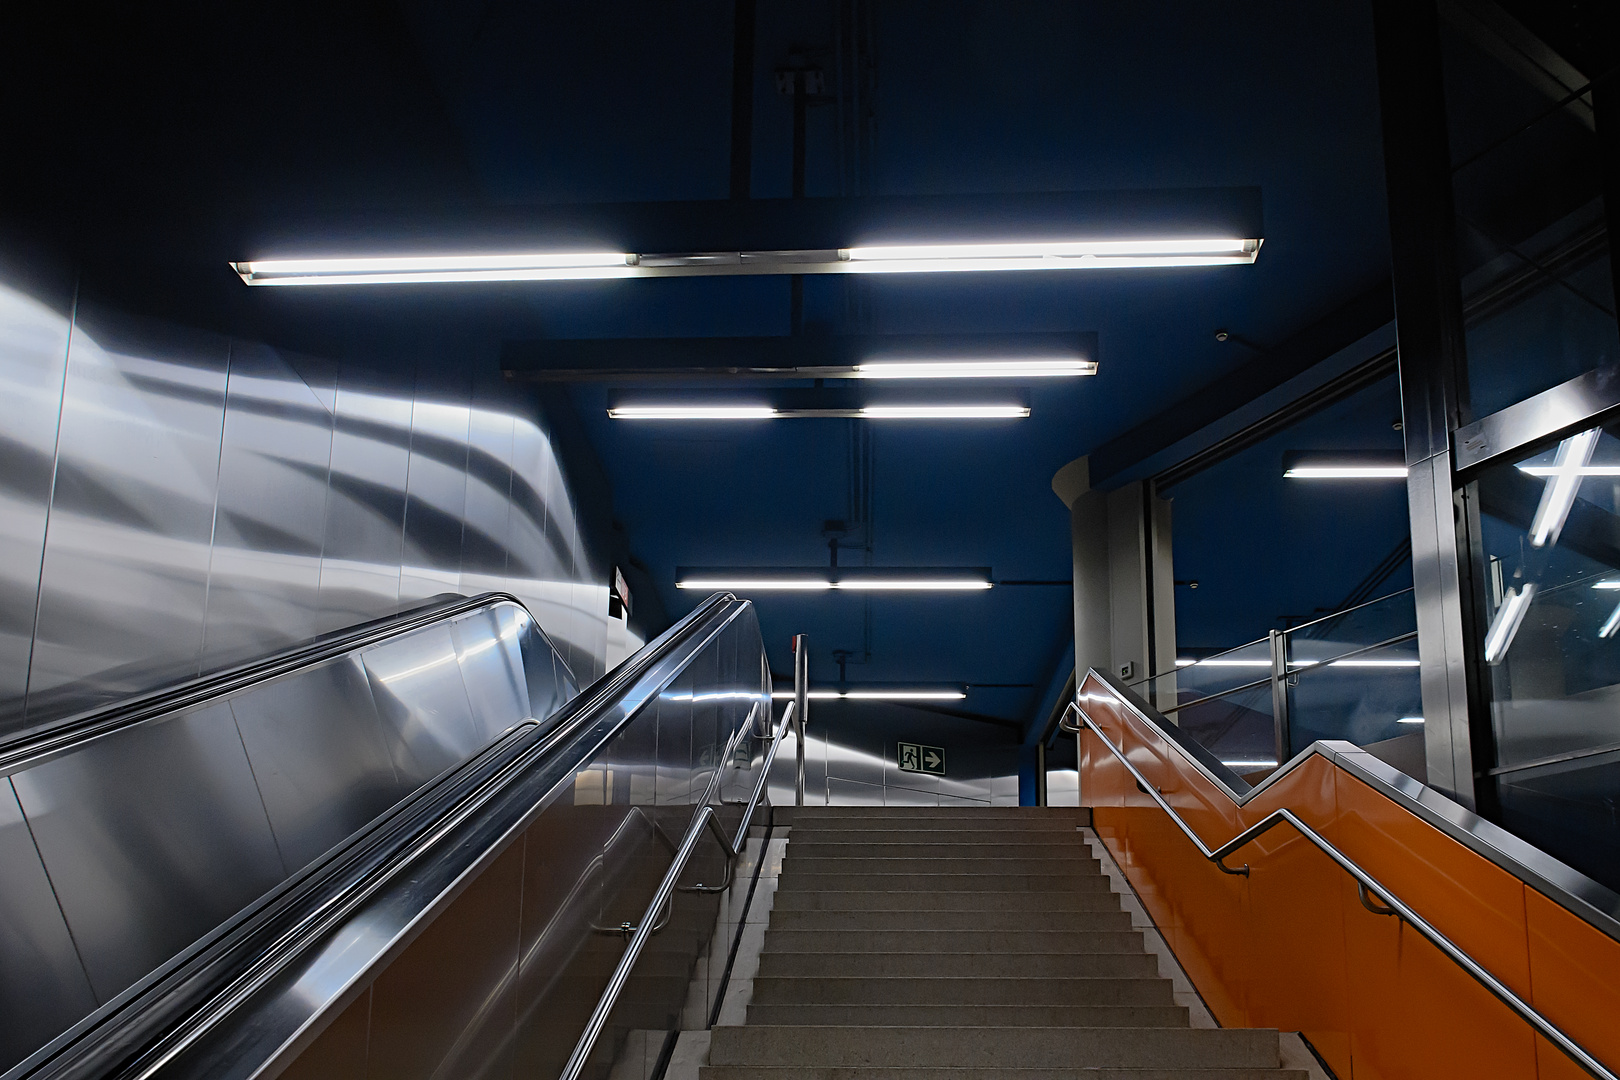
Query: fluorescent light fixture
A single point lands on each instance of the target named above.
(975, 369)
(692, 412)
(945, 412)
(896, 259)
(1346, 472)
(405, 269)
(1506, 623)
(877, 695)
(1224, 663)
(823, 585)
(1587, 470)
(756, 584)
(1410, 720)
(1256, 764)
(1406, 662)
(1611, 624)
(1574, 453)
(1049, 255)
(1607, 585)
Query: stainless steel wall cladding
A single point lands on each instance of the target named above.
(119, 854)
(175, 502)
(504, 978)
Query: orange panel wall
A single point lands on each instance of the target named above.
(1291, 947)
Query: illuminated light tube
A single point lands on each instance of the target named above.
(877, 695)
(405, 269)
(1258, 764)
(1410, 720)
(945, 412)
(692, 412)
(1506, 623)
(822, 585)
(1611, 624)
(1361, 663)
(1574, 454)
(975, 369)
(1049, 255)
(1586, 470)
(1223, 663)
(1346, 472)
(1607, 585)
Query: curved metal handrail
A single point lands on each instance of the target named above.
(704, 820)
(68, 732)
(1368, 888)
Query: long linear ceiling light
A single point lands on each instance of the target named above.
(824, 579)
(877, 695)
(1558, 497)
(1346, 472)
(866, 412)
(901, 259)
(975, 369)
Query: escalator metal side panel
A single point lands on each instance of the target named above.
(152, 835)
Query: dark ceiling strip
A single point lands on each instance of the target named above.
(1338, 329)
(1356, 379)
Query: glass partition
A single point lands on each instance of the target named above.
(1550, 531)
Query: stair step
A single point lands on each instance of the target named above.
(789, 1072)
(942, 942)
(929, 845)
(895, 882)
(819, 897)
(969, 990)
(1009, 1016)
(1034, 1047)
(868, 919)
(1137, 965)
(947, 863)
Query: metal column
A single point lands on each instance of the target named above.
(1279, 692)
(1430, 346)
(801, 706)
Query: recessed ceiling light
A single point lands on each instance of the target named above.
(827, 579)
(1585, 470)
(1410, 720)
(747, 584)
(1050, 255)
(675, 411)
(945, 412)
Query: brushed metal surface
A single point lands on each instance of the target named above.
(125, 574)
(151, 837)
(43, 988)
(365, 513)
(491, 662)
(486, 524)
(436, 489)
(319, 756)
(270, 518)
(33, 361)
(1572, 404)
(422, 703)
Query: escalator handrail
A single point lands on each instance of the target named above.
(150, 1024)
(705, 820)
(1366, 884)
(68, 733)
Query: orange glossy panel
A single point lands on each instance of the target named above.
(1575, 970)
(1475, 903)
(1292, 947)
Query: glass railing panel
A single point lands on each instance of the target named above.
(1237, 727)
(1354, 628)
(1217, 674)
(1365, 696)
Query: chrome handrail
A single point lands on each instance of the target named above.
(1365, 884)
(704, 819)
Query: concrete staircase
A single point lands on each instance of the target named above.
(911, 943)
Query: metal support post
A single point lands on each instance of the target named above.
(1279, 692)
(801, 707)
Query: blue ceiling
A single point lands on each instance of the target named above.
(181, 127)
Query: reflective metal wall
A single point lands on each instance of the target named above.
(120, 853)
(175, 501)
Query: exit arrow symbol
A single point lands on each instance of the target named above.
(931, 759)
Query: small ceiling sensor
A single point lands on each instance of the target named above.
(1221, 335)
(1396, 426)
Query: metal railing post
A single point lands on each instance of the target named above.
(801, 710)
(1279, 693)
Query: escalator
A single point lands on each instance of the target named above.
(1401, 934)
(413, 848)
